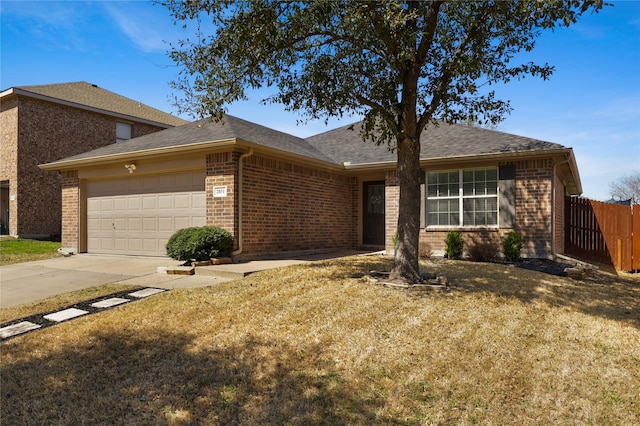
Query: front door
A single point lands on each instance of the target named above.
(373, 213)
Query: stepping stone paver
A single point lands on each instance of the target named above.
(92, 306)
(145, 292)
(107, 303)
(19, 328)
(65, 314)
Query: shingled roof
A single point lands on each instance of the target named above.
(82, 94)
(204, 131)
(345, 144)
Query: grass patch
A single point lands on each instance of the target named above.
(18, 250)
(317, 344)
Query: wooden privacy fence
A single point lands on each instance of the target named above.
(603, 232)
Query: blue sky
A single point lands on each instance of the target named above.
(591, 103)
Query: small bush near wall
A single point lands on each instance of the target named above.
(511, 246)
(424, 250)
(482, 252)
(454, 245)
(199, 243)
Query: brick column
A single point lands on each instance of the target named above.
(533, 206)
(70, 210)
(222, 171)
(391, 209)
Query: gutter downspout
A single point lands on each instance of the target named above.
(242, 157)
(553, 206)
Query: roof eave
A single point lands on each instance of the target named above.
(466, 159)
(207, 146)
(194, 148)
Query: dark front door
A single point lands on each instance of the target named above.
(373, 213)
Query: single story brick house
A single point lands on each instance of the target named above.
(45, 123)
(279, 193)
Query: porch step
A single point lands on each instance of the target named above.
(218, 271)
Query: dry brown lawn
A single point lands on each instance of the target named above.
(317, 344)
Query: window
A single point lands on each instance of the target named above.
(463, 197)
(123, 131)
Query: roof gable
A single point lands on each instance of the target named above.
(83, 94)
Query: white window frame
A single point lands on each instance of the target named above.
(461, 197)
(120, 126)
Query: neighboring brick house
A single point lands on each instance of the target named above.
(279, 193)
(45, 123)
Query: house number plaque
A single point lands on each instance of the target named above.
(219, 191)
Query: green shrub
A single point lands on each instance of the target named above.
(511, 246)
(482, 252)
(454, 245)
(199, 243)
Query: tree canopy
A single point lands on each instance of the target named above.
(402, 65)
(627, 187)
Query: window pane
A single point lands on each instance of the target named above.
(454, 177)
(492, 187)
(492, 174)
(480, 188)
(432, 190)
(454, 219)
(468, 217)
(479, 176)
(492, 218)
(468, 188)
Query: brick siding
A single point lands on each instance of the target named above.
(533, 206)
(222, 170)
(289, 207)
(70, 210)
(533, 213)
(8, 155)
(559, 216)
(391, 209)
(42, 132)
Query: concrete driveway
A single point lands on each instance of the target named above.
(32, 281)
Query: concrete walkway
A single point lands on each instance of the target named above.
(32, 281)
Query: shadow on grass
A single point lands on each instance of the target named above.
(128, 378)
(601, 294)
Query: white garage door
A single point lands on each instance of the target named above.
(137, 215)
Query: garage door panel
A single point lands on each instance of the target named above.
(120, 243)
(149, 224)
(106, 225)
(150, 245)
(166, 224)
(107, 204)
(119, 224)
(150, 202)
(134, 224)
(198, 201)
(144, 220)
(119, 204)
(107, 243)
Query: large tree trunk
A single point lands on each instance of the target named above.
(406, 268)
